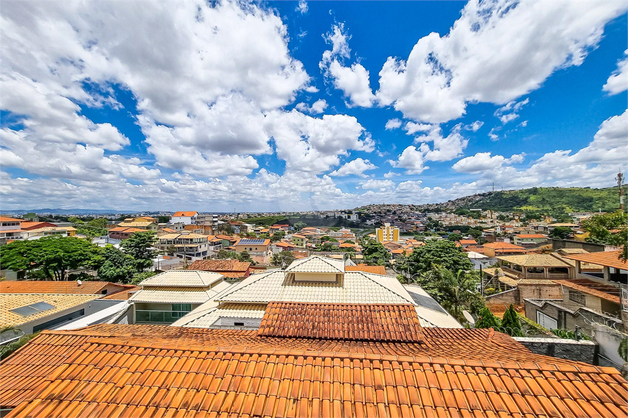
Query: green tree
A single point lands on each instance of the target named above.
(140, 277)
(277, 236)
(163, 219)
(510, 323)
(454, 291)
(223, 228)
(282, 259)
(486, 319)
(52, 256)
(244, 256)
(8, 349)
(475, 233)
(375, 253)
(560, 232)
(299, 226)
(226, 255)
(326, 246)
(454, 236)
(117, 267)
(438, 252)
(140, 247)
(599, 228)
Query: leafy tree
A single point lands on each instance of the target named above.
(454, 236)
(475, 233)
(98, 223)
(162, 219)
(282, 259)
(299, 226)
(486, 319)
(349, 242)
(53, 256)
(118, 267)
(226, 255)
(326, 246)
(140, 247)
(510, 323)
(454, 291)
(375, 253)
(223, 228)
(599, 228)
(244, 256)
(560, 232)
(277, 236)
(140, 277)
(8, 349)
(438, 252)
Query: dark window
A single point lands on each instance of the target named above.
(104, 291)
(238, 324)
(59, 320)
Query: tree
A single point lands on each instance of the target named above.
(299, 226)
(475, 233)
(118, 267)
(486, 319)
(277, 236)
(599, 228)
(560, 232)
(438, 252)
(454, 291)
(244, 256)
(375, 253)
(223, 228)
(140, 247)
(510, 323)
(226, 255)
(163, 219)
(282, 259)
(53, 256)
(140, 277)
(454, 236)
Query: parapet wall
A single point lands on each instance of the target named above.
(583, 350)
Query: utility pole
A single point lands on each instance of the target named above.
(620, 186)
(493, 187)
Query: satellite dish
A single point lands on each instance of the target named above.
(79, 282)
(468, 317)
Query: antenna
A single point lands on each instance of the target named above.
(620, 186)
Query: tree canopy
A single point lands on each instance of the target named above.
(609, 228)
(438, 252)
(140, 247)
(117, 267)
(53, 256)
(282, 259)
(374, 252)
(486, 319)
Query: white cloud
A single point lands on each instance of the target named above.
(618, 81)
(482, 161)
(356, 167)
(509, 112)
(317, 107)
(411, 159)
(393, 124)
(496, 52)
(377, 184)
(390, 175)
(353, 80)
(302, 7)
(411, 128)
(443, 148)
(475, 126)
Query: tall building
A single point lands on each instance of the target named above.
(387, 233)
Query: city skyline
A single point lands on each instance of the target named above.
(286, 106)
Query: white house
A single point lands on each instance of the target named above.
(187, 218)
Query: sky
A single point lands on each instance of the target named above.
(308, 105)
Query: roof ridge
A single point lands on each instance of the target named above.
(412, 302)
(248, 284)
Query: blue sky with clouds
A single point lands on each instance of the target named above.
(306, 105)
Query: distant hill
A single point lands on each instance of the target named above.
(542, 199)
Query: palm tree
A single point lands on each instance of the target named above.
(455, 291)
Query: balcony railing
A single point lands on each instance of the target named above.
(159, 317)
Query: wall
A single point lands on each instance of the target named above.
(539, 291)
(504, 298)
(583, 350)
(557, 244)
(609, 339)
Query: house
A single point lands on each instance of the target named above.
(169, 296)
(536, 266)
(530, 240)
(280, 246)
(367, 269)
(314, 279)
(139, 224)
(189, 246)
(62, 287)
(10, 230)
(614, 269)
(299, 240)
(387, 233)
(185, 217)
(232, 269)
(464, 243)
(496, 249)
(122, 232)
(27, 226)
(307, 360)
(253, 246)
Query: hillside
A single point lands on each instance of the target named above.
(541, 199)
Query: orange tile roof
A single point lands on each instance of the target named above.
(467, 241)
(605, 258)
(531, 236)
(220, 265)
(503, 246)
(186, 214)
(110, 370)
(367, 269)
(342, 321)
(28, 225)
(49, 286)
(7, 219)
(601, 290)
(124, 294)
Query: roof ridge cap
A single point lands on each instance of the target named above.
(412, 302)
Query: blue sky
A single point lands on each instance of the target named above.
(278, 106)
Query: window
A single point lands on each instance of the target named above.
(64, 318)
(577, 297)
(546, 321)
(238, 324)
(180, 309)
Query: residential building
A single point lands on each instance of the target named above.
(280, 246)
(307, 360)
(122, 232)
(536, 266)
(169, 296)
(189, 246)
(231, 269)
(387, 233)
(253, 246)
(299, 240)
(464, 243)
(185, 217)
(497, 249)
(27, 226)
(139, 224)
(530, 240)
(10, 230)
(314, 279)
(62, 287)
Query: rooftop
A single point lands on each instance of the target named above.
(316, 264)
(246, 241)
(367, 269)
(185, 213)
(51, 286)
(149, 371)
(534, 260)
(531, 236)
(182, 278)
(219, 265)
(7, 219)
(605, 258)
(504, 246)
(601, 290)
(36, 306)
(342, 321)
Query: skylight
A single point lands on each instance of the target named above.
(33, 308)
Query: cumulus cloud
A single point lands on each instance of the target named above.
(317, 107)
(495, 52)
(393, 124)
(411, 128)
(482, 161)
(355, 167)
(352, 80)
(475, 126)
(411, 159)
(618, 81)
(510, 111)
(377, 184)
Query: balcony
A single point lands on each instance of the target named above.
(158, 317)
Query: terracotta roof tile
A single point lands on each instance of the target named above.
(220, 265)
(185, 213)
(342, 321)
(601, 290)
(167, 371)
(605, 258)
(51, 286)
(367, 269)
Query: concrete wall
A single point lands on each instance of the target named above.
(557, 244)
(609, 339)
(582, 350)
(539, 291)
(504, 298)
